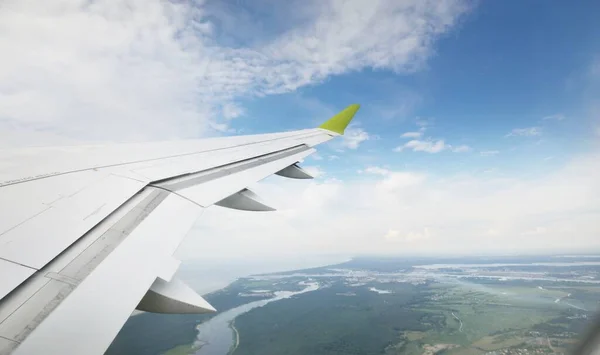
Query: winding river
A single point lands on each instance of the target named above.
(215, 336)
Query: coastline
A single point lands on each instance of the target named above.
(236, 337)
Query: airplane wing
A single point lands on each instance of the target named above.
(87, 233)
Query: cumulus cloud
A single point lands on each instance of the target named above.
(375, 170)
(398, 180)
(151, 69)
(347, 35)
(428, 144)
(316, 156)
(417, 134)
(354, 136)
(431, 146)
(232, 110)
(525, 132)
(314, 171)
(423, 124)
(392, 235)
(423, 146)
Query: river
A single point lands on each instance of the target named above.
(215, 336)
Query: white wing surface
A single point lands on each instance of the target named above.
(87, 233)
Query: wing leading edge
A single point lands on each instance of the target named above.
(88, 233)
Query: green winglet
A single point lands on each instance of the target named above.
(339, 122)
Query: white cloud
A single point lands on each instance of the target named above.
(347, 35)
(333, 157)
(354, 136)
(424, 123)
(419, 212)
(489, 153)
(314, 171)
(428, 145)
(316, 156)
(398, 180)
(417, 134)
(526, 132)
(431, 146)
(151, 69)
(375, 170)
(423, 146)
(493, 232)
(461, 148)
(232, 110)
(555, 117)
(396, 236)
(392, 235)
(536, 231)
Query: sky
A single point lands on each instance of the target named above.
(478, 132)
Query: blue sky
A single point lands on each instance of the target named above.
(478, 131)
(499, 69)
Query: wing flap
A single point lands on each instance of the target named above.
(173, 297)
(294, 172)
(245, 200)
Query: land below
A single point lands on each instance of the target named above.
(533, 305)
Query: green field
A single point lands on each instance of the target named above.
(362, 314)
(412, 320)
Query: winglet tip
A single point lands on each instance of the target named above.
(340, 121)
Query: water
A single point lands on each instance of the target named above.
(216, 337)
(205, 276)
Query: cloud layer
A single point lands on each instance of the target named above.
(525, 132)
(400, 212)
